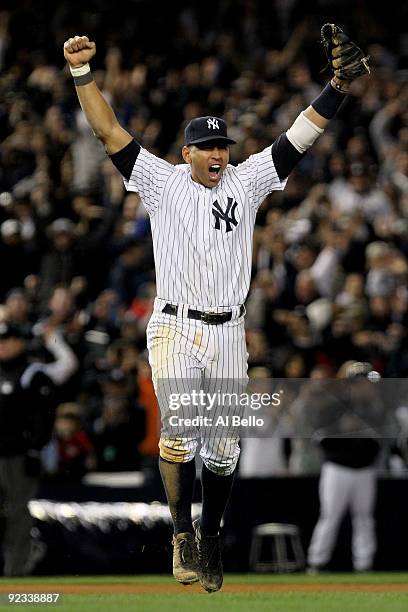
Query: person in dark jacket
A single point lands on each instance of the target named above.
(348, 476)
(26, 421)
(13, 249)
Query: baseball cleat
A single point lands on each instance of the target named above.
(312, 570)
(185, 558)
(209, 559)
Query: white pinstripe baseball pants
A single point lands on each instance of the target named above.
(340, 488)
(188, 354)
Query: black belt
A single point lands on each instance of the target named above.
(210, 318)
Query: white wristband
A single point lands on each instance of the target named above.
(77, 72)
(303, 133)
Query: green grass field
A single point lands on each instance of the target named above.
(248, 592)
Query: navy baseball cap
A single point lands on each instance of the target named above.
(206, 129)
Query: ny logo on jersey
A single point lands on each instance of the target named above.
(228, 216)
(213, 123)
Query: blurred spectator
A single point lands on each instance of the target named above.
(75, 452)
(59, 265)
(359, 194)
(17, 309)
(149, 446)
(117, 433)
(380, 281)
(27, 415)
(129, 273)
(13, 250)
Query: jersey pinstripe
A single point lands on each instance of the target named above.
(202, 238)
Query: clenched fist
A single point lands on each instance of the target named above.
(79, 50)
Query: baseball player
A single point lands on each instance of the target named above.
(202, 216)
(348, 479)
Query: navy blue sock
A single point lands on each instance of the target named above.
(216, 491)
(178, 480)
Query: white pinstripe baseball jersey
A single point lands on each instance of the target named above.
(202, 237)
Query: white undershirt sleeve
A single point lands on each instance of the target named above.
(303, 133)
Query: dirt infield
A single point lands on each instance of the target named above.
(150, 589)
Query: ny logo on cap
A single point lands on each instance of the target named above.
(213, 123)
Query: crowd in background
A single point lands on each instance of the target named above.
(330, 263)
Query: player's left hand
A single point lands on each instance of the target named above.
(346, 60)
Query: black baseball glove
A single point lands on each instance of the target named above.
(346, 61)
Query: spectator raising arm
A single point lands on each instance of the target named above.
(66, 362)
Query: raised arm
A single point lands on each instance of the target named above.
(78, 51)
(347, 62)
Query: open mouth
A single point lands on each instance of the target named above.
(214, 171)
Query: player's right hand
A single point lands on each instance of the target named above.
(79, 50)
